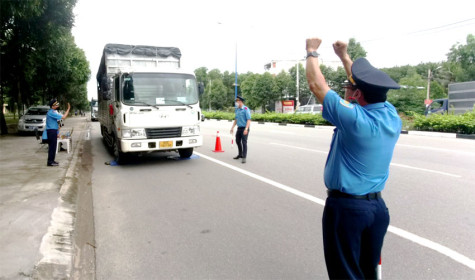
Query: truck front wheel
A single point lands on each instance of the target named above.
(185, 153)
(119, 156)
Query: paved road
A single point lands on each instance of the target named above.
(213, 217)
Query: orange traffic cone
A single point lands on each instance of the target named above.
(217, 147)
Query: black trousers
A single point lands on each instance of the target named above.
(241, 141)
(353, 234)
(52, 144)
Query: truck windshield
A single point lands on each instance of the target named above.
(159, 89)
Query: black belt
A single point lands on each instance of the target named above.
(335, 193)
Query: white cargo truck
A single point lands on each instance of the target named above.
(147, 103)
(461, 99)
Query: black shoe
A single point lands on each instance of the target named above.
(56, 162)
(243, 160)
(53, 164)
(237, 157)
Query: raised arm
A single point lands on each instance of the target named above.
(341, 50)
(316, 81)
(67, 112)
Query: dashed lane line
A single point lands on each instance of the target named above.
(392, 164)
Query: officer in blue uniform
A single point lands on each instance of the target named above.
(243, 122)
(355, 217)
(52, 118)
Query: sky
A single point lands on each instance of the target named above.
(212, 33)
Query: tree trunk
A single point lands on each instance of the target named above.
(3, 122)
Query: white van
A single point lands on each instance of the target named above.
(310, 109)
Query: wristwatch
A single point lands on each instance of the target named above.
(314, 54)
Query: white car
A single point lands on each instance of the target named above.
(34, 119)
(310, 109)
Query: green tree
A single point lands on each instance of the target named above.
(461, 59)
(247, 85)
(218, 95)
(304, 90)
(282, 85)
(262, 93)
(355, 50)
(202, 75)
(410, 98)
(39, 57)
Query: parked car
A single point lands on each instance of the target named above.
(310, 109)
(34, 119)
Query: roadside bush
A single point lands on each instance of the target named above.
(463, 124)
(218, 115)
(273, 117)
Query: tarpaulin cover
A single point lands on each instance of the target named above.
(149, 51)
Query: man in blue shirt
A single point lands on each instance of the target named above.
(52, 118)
(355, 218)
(243, 122)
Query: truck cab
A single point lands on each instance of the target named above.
(147, 107)
(94, 110)
(437, 106)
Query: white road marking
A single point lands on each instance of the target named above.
(393, 164)
(434, 246)
(426, 170)
(300, 148)
(436, 149)
(400, 232)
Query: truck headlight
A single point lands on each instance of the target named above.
(190, 130)
(133, 133)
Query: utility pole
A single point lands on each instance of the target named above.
(298, 89)
(235, 75)
(209, 96)
(429, 77)
(428, 87)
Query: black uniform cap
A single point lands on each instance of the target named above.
(373, 82)
(240, 98)
(53, 102)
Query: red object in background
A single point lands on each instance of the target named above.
(111, 109)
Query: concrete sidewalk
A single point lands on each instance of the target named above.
(37, 205)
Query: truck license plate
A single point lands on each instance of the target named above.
(166, 144)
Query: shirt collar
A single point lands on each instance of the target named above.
(372, 106)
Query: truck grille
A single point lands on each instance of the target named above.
(157, 133)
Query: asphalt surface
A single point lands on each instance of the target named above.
(37, 205)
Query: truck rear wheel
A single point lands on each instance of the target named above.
(185, 153)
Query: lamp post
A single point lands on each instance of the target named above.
(235, 69)
(235, 75)
(297, 78)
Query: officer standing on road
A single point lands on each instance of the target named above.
(243, 121)
(52, 118)
(355, 217)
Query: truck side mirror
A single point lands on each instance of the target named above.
(201, 88)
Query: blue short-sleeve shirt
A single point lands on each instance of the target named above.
(242, 115)
(52, 118)
(362, 145)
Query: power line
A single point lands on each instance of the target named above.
(437, 29)
(442, 26)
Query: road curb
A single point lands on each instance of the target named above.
(57, 245)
